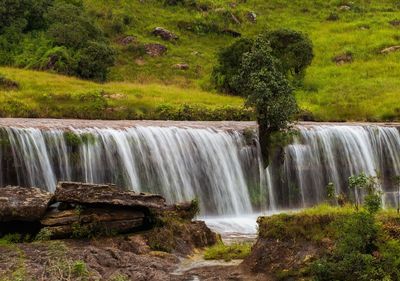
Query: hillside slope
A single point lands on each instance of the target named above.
(365, 89)
(350, 79)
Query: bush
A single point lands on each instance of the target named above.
(58, 59)
(94, 61)
(293, 49)
(229, 61)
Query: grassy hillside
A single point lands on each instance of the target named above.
(366, 89)
(41, 94)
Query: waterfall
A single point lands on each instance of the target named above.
(214, 166)
(219, 165)
(331, 153)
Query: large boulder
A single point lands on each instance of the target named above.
(100, 194)
(23, 204)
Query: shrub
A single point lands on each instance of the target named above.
(58, 59)
(293, 49)
(44, 235)
(229, 61)
(94, 61)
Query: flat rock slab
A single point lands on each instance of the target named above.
(23, 204)
(98, 194)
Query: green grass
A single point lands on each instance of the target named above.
(224, 252)
(42, 94)
(365, 90)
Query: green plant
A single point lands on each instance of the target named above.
(330, 191)
(267, 90)
(80, 269)
(228, 252)
(396, 181)
(229, 61)
(44, 234)
(293, 49)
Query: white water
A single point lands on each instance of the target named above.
(221, 168)
(179, 163)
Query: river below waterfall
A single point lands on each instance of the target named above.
(216, 162)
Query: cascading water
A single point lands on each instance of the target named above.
(221, 167)
(179, 163)
(331, 153)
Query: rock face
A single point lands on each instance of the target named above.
(83, 193)
(165, 34)
(82, 221)
(155, 49)
(23, 204)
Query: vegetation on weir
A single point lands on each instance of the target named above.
(349, 78)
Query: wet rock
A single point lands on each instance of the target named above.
(390, 49)
(251, 17)
(83, 193)
(181, 66)
(165, 34)
(155, 49)
(23, 204)
(343, 59)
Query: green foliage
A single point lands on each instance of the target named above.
(293, 49)
(11, 238)
(44, 235)
(355, 255)
(360, 183)
(267, 90)
(373, 202)
(330, 191)
(229, 63)
(80, 269)
(228, 252)
(94, 61)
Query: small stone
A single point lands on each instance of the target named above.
(390, 49)
(231, 32)
(155, 49)
(165, 34)
(181, 66)
(344, 8)
(251, 17)
(395, 22)
(343, 58)
(126, 40)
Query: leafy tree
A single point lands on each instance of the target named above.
(293, 49)
(369, 184)
(267, 90)
(229, 62)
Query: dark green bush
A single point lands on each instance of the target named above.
(95, 60)
(229, 62)
(293, 49)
